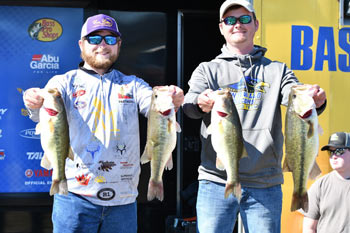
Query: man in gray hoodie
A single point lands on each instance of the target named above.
(259, 87)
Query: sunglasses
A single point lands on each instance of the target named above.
(97, 39)
(337, 152)
(231, 20)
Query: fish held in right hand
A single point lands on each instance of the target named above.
(54, 137)
(227, 139)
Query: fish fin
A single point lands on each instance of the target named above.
(63, 187)
(235, 189)
(244, 153)
(155, 190)
(320, 130)
(45, 162)
(169, 125)
(145, 158)
(54, 187)
(38, 129)
(286, 168)
(221, 127)
(169, 164)
(178, 128)
(300, 202)
(311, 131)
(51, 125)
(71, 154)
(209, 129)
(219, 164)
(59, 187)
(315, 171)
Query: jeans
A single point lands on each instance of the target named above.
(260, 209)
(73, 213)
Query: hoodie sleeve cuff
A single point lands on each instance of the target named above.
(322, 108)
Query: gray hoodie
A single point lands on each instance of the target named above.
(259, 87)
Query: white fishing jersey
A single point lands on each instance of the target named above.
(102, 113)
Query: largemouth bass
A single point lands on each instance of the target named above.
(161, 139)
(54, 137)
(227, 140)
(301, 143)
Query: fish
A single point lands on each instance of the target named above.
(54, 138)
(34, 30)
(161, 139)
(301, 143)
(227, 139)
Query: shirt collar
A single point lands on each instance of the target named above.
(81, 66)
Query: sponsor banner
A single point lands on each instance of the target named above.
(316, 46)
(40, 42)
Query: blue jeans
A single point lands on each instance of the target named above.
(73, 213)
(260, 209)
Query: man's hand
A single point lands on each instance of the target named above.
(32, 99)
(204, 101)
(177, 95)
(319, 95)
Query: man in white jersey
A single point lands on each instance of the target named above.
(102, 106)
(329, 206)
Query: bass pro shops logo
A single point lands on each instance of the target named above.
(45, 30)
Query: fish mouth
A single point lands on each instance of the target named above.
(51, 112)
(222, 114)
(306, 114)
(166, 113)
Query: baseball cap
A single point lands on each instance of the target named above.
(338, 140)
(99, 22)
(228, 3)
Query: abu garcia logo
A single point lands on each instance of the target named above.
(45, 61)
(45, 30)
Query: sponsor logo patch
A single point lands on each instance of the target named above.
(106, 194)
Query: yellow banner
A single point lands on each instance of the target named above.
(308, 36)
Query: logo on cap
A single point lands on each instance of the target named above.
(103, 23)
(334, 137)
(99, 22)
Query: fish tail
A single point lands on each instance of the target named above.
(155, 190)
(59, 186)
(235, 189)
(145, 158)
(300, 201)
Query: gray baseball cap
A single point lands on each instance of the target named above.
(338, 140)
(228, 3)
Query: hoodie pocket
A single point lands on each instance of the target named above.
(262, 156)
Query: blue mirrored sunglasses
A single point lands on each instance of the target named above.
(97, 39)
(337, 152)
(231, 20)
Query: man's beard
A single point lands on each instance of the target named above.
(99, 64)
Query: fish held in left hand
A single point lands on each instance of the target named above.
(301, 143)
(161, 139)
(54, 137)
